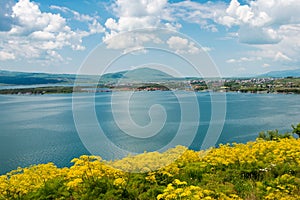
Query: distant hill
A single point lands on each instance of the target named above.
(280, 74)
(140, 75)
(146, 74)
(26, 78)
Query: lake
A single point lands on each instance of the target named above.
(41, 129)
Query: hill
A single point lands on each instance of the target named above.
(26, 78)
(282, 74)
(140, 74)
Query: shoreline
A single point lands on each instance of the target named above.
(70, 89)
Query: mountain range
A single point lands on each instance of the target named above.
(281, 74)
(27, 78)
(141, 75)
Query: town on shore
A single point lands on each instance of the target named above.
(287, 85)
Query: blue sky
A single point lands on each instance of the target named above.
(242, 37)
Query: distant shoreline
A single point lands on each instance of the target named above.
(71, 89)
(37, 85)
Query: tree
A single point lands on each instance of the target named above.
(296, 129)
(273, 135)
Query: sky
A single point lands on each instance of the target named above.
(241, 37)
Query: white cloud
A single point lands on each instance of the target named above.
(281, 57)
(182, 45)
(265, 65)
(96, 27)
(37, 35)
(236, 14)
(243, 59)
(287, 50)
(280, 11)
(6, 55)
(273, 27)
(77, 15)
(260, 21)
(42, 35)
(111, 24)
(130, 41)
(193, 12)
(231, 60)
(252, 23)
(207, 49)
(93, 24)
(254, 14)
(258, 35)
(139, 8)
(137, 14)
(175, 42)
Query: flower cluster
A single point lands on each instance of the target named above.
(259, 152)
(180, 190)
(255, 170)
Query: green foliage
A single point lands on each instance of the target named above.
(38, 90)
(296, 129)
(273, 135)
(53, 189)
(268, 168)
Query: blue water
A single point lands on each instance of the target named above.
(41, 129)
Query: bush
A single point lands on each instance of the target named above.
(273, 135)
(263, 169)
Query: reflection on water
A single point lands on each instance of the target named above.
(40, 129)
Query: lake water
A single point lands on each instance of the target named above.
(41, 129)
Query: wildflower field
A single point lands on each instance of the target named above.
(262, 169)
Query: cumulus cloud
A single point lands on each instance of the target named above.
(6, 55)
(39, 35)
(236, 14)
(182, 45)
(252, 21)
(260, 21)
(137, 14)
(273, 27)
(258, 35)
(287, 50)
(200, 13)
(262, 24)
(130, 41)
(269, 26)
